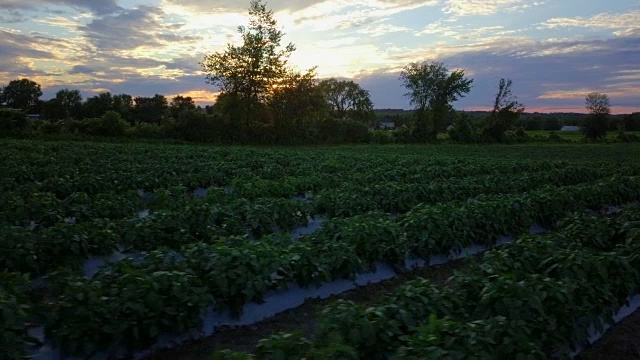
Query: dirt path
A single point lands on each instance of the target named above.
(620, 342)
(302, 318)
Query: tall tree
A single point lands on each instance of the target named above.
(348, 100)
(505, 114)
(96, 106)
(70, 101)
(180, 104)
(250, 71)
(432, 88)
(23, 94)
(297, 104)
(123, 104)
(597, 122)
(150, 109)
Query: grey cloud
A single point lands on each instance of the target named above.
(14, 47)
(131, 29)
(82, 69)
(210, 6)
(99, 7)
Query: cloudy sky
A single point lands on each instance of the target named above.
(555, 51)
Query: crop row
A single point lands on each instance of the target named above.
(45, 209)
(60, 244)
(106, 168)
(136, 299)
(535, 298)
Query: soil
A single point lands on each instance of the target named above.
(620, 342)
(303, 318)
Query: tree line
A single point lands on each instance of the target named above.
(262, 99)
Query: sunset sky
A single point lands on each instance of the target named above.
(555, 51)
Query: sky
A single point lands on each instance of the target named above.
(555, 51)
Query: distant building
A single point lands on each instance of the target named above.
(570, 128)
(387, 124)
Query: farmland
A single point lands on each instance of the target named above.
(185, 230)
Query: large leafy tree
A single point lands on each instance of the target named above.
(249, 72)
(96, 106)
(23, 94)
(297, 103)
(432, 89)
(505, 114)
(180, 104)
(348, 100)
(70, 101)
(150, 109)
(597, 122)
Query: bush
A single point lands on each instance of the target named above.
(146, 130)
(402, 135)
(381, 137)
(13, 121)
(336, 131)
(627, 137)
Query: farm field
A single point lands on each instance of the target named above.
(108, 248)
(575, 135)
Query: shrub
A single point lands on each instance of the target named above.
(12, 121)
(381, 137)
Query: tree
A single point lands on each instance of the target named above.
(180, 104)
(70, 101)
(432, 88)
(97, 105)
(53, 110)
(597, 122)
(21, 94)
(123, 104)
(348, 100)
(250, 72)
(150, 109)
(297, 104)
(505, 114)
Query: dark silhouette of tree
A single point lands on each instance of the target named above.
(348, 100)
(96, 106)
(70, 101)
(23, 94)
(123, 105)
(249, 72)
(597, 122)
(432, 89)
(297, 104)
(180, 104)
(505, 114)
(150, 109)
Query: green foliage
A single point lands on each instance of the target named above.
(12, 121)
(130, 308)
(431, 87)
(504, 117)
(382, 137)
(597, 123)
(348, 100)
(250, 71)
(15, 315)
(383, 204)
(23, 94)
(595, 126)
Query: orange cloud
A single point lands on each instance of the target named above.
(201, 97)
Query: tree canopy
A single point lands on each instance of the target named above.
(23, 94)
(252, 70)
(433, 88)
(597, 123)
(347, 100)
